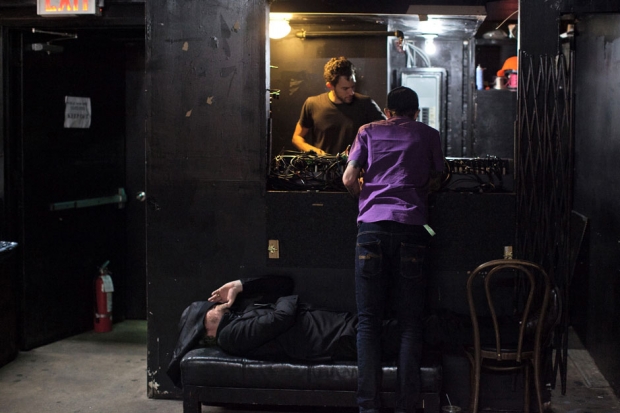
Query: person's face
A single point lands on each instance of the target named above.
(344, 90)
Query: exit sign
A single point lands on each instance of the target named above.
(66, 7)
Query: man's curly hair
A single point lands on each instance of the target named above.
(336, 67)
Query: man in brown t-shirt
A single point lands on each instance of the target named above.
(329, 122)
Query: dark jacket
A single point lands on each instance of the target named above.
(286, 329)
(191, 325)
(267, 322)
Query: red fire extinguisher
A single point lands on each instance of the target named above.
(103, 297)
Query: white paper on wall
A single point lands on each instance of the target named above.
(77, 112)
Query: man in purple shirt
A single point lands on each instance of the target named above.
(392, 166)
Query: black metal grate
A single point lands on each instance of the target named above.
(543, 172)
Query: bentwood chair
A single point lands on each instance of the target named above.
(508, 302)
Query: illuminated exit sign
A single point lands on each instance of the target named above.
(66, 7)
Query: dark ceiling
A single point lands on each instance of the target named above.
(497, 10)
(501, 9)
(464, 19)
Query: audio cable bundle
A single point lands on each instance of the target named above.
(292, 170)
(488, 174)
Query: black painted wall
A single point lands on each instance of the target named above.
(494, 122)
(206, 65)
(597, 183)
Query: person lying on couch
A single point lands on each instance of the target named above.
(261, 318)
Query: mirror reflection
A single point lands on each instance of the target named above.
(432, 53)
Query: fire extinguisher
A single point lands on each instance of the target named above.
(103, 297)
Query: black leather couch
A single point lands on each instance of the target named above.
(212, 377)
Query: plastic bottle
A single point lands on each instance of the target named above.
(479, 78)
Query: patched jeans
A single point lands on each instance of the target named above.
(389, 282)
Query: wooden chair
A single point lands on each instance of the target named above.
(508, 301)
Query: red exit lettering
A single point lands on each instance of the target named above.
(65, 5)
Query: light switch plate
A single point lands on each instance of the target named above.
(274, 249)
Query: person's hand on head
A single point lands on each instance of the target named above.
(227, 293)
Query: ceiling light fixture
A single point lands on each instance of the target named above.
(429, 43)
(279, 26)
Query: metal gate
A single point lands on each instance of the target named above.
(544, 175)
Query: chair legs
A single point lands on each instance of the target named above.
(526, 388)
(474, 380)
(474, 377)
(536, 363)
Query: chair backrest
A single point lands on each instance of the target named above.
(510, 295)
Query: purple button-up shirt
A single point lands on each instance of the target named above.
(397, 156)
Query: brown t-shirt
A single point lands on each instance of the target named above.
(334, 126)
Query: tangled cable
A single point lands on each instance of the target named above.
(292, 170)
(476, 174)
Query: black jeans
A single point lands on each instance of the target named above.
(389, 264)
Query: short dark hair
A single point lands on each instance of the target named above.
(336, 67)
(403, 101)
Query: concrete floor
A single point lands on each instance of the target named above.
(81, 374)
(587, 391)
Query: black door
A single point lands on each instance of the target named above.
(65, 178)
